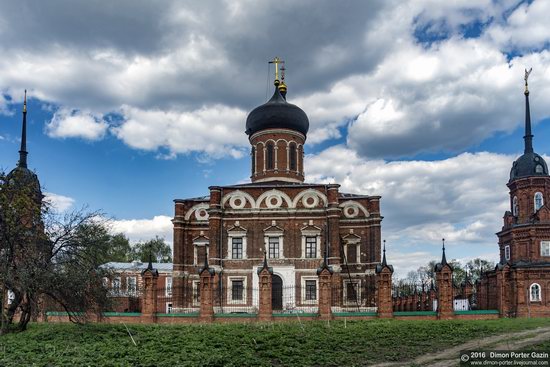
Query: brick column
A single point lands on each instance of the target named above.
(178, 275)
(325, 290)
(265, 275)
(502, 299)
(206, 292)
(333, 223)
(215, 225)
(445, 288)
(384, 274)
(149, 278)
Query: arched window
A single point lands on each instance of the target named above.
(515, 208)
(534, 293)
(292, 156)
(253, 154)
(270, 156)
(539, 201)
(539, 169)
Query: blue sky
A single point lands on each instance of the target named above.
(418, 101)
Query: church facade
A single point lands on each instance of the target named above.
(520, 283)
(277, 216)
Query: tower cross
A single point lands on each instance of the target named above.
(277, 61)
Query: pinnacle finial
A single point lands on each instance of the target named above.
(384, 263)
(528, 138)
(443, 258)
(23, 150)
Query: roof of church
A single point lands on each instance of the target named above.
(277, 113)
(530, 163)
(137, 266)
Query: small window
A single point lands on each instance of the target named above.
(169, 308)
(116, 285)
(352, 253)
(270, 156)
(131, 285)
(168, 284)
(515, 208)
(311, 290)
(539, 169)
(237, 290)
(311, 247)
(253, 158)
(237, 248)
(273, 247)
(292, 156)
(196, 292)
(544, 248)
(507, 252)
(539, 201)
(352, 291)
(534, 293)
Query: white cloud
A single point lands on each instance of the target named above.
(138, 230)
(67, 123)
(216, 130)
(59, 202)
(461, 198)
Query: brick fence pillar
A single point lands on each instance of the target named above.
(501, 291)
(445, 288)
(149, 278)
(265, 275)
(384, 274)
(207, 291)
(325, 290)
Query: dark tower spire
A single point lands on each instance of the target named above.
(443, 258)
(23, 151)
(528, 138)
(384, 263)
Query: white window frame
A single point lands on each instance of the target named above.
(279, 235)
(303, 292)
(236, 234)
(515, 206)
(311, 233)
(230, 290)
(169, 307)
(544, 245)
(507, 252)
(128, 291)
(196, 290)
(118, 290)
(534, 299)
(196, 246)
(11, 296)
(168, 286)
(345, 292)
(538, 194)
(357, 244)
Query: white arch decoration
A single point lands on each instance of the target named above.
(243, 196)
(310, 193)
(279, 197)
(197, 210)
(351, 209)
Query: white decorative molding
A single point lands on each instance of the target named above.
(309, 193)
(238, 199)
(200, 210)
(274, 199)
(351, 209)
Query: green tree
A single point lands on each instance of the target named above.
(45, 256)
(476, 266)
(160, 251)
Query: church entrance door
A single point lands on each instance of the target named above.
(277, 293)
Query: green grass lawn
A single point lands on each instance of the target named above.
(312, 343)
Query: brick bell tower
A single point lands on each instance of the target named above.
(519, 284)
(277, 132)
(528, 222)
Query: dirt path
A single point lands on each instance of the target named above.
(449, 357)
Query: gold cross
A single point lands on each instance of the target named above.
(276, 61)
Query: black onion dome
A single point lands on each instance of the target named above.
(529, 164)
(277, 113)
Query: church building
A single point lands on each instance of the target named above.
(277, 216)
(520, 284)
